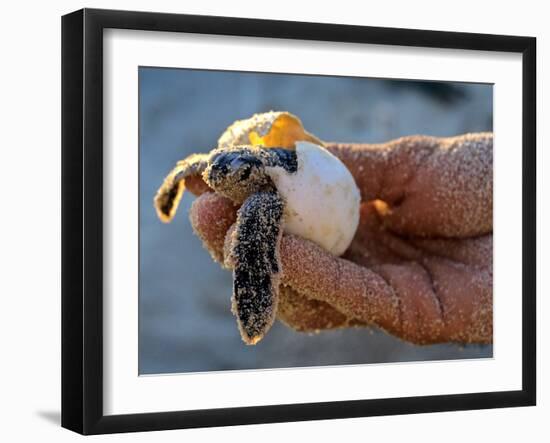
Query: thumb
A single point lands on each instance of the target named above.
(211, 216)
(433, 186)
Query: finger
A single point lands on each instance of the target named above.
(432, 186)
(374, 245)
(308, 315)
(476, 252)
(436, 303)
(355, 291)
(196, 185)
(465, 295)
(211, 216)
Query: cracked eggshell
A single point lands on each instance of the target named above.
(322, 199)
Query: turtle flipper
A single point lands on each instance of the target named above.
(170, 193)
(255, 254)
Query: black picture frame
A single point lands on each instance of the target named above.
(82, 218)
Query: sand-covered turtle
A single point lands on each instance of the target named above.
(284, 180)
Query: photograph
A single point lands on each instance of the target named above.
(270, 221)
(293, 221)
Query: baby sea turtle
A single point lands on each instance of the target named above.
(299, 188)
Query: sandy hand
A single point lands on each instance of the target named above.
(420, 265)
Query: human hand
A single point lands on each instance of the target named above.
(420, 265)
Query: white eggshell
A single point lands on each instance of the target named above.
(322, 199)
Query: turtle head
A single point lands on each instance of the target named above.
(237, 172)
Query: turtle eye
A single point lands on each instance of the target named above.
(245, 172)
(243, 160)
(220, 165)
(242, 165)
(236, 164)
(232, 162)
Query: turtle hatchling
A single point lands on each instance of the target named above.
(284, 181)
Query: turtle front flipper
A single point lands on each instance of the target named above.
(255, 256)
(170, 193)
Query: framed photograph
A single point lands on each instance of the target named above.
(268, 221)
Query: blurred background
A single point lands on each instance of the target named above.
(185, 322)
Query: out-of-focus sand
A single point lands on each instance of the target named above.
(184, 307)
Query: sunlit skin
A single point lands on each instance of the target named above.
(420, 265)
